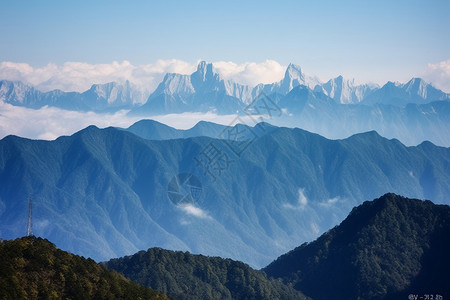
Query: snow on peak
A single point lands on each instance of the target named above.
(344, 91)
(205, 71)
(15, 91)
(417, 86)
(175, 84)
(296, 76)
(294, 72)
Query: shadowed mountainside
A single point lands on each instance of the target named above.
(385, 249)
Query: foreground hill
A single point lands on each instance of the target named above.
(33, 268)
(106, 193)
(388, 248)
(186, 276)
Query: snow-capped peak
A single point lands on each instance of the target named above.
(203, 68)
(295, 76)
(294, 71)
(344, 91)
(15, 91)
(116, 93)
(417, 86)
(204, 73)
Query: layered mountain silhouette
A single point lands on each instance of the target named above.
(411, 124)
(205, 90)
(389, 248)
(411, 112)
(260, 191)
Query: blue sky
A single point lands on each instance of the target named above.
(369, 40)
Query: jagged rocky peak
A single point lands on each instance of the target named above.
(417, 86)
(205, 71)
(295, 76)
(17, 92)
(294, 71)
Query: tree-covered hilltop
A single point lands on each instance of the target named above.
(186, 276)
(33, 268)
(385, 249)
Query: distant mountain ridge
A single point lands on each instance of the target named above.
(205, 90)
(411, 124)
(153, 130)
(107, 97)
(387, 248)
(281, 188)
(411, 112)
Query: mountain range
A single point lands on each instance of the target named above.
(411, 112)
(107, 97)
(249, 193)
(205, 90)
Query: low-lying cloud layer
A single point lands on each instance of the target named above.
(48, 123)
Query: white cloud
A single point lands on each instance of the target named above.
(302, 201)
(251, 73)
(195, 211)
(329, 202)
(48, 123)
(79, 76)
(439, 75)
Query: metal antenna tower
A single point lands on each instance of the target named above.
(30, 217)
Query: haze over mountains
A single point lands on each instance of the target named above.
(100, 97)
(411, 112)
(108, 192)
